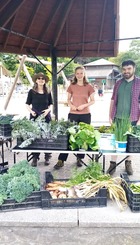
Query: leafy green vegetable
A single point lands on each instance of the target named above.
(92, 171)
(19, 182)
(29, 130)
(83, 136)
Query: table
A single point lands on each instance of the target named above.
(94, 155)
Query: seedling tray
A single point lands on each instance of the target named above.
(33, 201)
(132, 197)
(100, 200)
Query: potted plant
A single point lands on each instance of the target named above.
(121, 126)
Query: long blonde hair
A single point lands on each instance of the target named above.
(85, 80)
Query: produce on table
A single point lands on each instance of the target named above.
(106, 129)
(19, 182)
(29, 130)
(87, 183)
(83, 136)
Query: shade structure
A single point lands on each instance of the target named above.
(86, 28)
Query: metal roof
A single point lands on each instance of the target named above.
(85, 28)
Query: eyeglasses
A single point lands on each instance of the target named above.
(39, 78)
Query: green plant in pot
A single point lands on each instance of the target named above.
(121, 126)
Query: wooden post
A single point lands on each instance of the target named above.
(15, 81)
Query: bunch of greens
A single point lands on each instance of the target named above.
(106, 129)
(135, 131)
(92, 171)
(121, 126)
(19, 182)
(83, 136)
(6, 119)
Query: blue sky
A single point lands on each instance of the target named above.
(129, 21)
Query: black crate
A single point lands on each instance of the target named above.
(132, 198)
(5, 130)
(100, 200)
(32, 201)
(59, 143)
(133, 144)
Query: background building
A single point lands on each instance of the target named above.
(102, 72)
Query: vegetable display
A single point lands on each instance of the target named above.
(87, 184)
(83, 136)
(19, 182)
(29, 130)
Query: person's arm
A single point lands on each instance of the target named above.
(91, 102)
(110, 111)
(73, 107)
(30, 110)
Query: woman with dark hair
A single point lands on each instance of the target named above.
(80, 98)
(39, 101)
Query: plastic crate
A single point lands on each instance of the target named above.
(5, 130)
(133, 144)
(132, 198)
(59, 143)
(100, 200)
(32, 201)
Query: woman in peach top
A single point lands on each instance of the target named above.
(80, 98)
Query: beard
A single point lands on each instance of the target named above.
(128, 75)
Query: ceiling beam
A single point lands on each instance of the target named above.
(9, 26)
(47, 24)
(3, 4)
(9, 11)
(30, 21)
(65, 11)
(101, 27)
(84, 24)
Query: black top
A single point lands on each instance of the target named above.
(38, 101)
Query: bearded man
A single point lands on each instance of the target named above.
(125, 103)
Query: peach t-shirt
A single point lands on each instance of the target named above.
(80, 95)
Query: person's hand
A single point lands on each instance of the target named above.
(73, 108)
(138, 122)
(81, 107)
(45, 112)
(33, 113)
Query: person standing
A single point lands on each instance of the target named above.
(39, 101)
(80, 98)
(125, 103)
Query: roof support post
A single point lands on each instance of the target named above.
(54, 83)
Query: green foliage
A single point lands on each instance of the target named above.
(83, 136)
(121, 126)
(29, 130)
(19, 182)
(106, 129)
(92, 171)
(6, 119)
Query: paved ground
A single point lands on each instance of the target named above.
(89, 226)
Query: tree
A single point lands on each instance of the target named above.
(133, 53)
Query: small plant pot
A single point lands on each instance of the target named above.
(121, 146)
